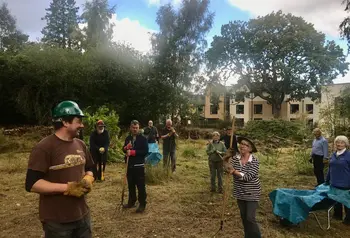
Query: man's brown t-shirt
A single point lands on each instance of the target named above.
(62, 162)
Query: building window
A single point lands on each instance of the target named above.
(310, 108)
(258, 109)
(214, 109)
(239, 109)
(257, 119)
(294, 108)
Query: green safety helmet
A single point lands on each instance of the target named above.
(66, 108)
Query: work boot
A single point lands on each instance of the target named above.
(103, 176)
(128, 205)
(346, 222)
(141, 208)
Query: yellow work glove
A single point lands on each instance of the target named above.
(102, 150)
(87, 182)
(76, 189)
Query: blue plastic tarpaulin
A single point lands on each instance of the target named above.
(295, 205)
(154, 156)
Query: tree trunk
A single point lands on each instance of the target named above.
(276, 110)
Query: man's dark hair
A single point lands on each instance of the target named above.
(134, 123)
(58, 124)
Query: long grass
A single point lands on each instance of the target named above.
(301, 157)
(180, 205)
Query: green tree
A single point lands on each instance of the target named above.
(345, 24)
(97, 15)
(275, 56)
(11, 39)
(62, 28)
(178, 47)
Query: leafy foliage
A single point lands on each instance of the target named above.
(345, 24)
(275, 56)
(39, 77)
(264, 129)
(11, 39)
(177, 49)
(335, 112)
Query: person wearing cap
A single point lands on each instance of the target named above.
(247, 189)
(215, 150)
(60, 171)
(99, 143)
(227, 138)
(151, 133)
(136, 148)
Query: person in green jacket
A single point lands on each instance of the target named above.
(215, 150)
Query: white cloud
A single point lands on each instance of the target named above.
(133, 33)
(163, 2)
(326, 15)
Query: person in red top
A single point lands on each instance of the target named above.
(60, 171)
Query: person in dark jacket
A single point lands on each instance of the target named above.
(99, 143)
(338, 175)
(151, 133)
(227, 138)
(169, 136)
(136, 149)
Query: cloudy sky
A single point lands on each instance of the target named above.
(135, 19)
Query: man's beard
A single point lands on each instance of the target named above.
(100, 131)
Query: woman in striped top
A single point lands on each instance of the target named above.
(245, 169)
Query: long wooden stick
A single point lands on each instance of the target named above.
(227, 181)
(125, 181)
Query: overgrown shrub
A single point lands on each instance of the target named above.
(111, 120)
(262, 129)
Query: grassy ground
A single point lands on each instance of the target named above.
(179, 207)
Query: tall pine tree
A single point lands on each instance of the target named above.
(98, 31)
(62, 24)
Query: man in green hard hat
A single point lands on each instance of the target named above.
(60, 171)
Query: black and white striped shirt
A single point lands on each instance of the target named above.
(248, 186)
